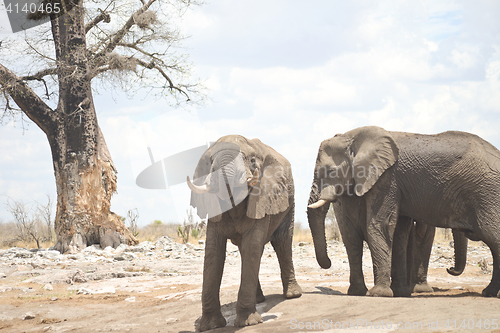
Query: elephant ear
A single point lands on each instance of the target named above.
(205, 203)
(271, 194)
(374, 151)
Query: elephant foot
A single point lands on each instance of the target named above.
(490, 291)
(401, 290)
(211, 321)
(357, 290)
(293, 290)
(380, 291)
(247, 319)
(423, 287)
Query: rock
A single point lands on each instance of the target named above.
(84, 291)
(48, 287)
(28, 316)
(125, 256)
(79, 276)
(76, 256)
(22, 268)
(164, 242)
(130, 299)
(201, 242)
(18, 252)
(53, 299)
(92, 250)
(171, 320)
(50, 254)
(3, 275)
(142, 247)
(36, 264)
(108, 251)
(87, 291)
(105, 290)
(122, 247)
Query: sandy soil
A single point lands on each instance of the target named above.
(157, 293)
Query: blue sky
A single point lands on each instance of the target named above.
(292, 74)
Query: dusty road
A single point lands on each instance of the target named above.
(157, 288)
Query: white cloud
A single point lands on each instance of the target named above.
(293, 74)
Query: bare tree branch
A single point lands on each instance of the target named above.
(118, 36)
(101, 17)
(29, 102)
(171, 85)
(36, 51)
(39, 76)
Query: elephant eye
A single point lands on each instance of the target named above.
(252, 160)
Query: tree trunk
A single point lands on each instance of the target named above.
(85, 174)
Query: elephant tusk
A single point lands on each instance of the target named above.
(197, 189)
(317, 204)
(252, 181)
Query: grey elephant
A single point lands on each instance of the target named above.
(449, 180)
(246, 189)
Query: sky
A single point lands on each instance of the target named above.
(291, 73)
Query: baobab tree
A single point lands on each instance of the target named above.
(124, 44)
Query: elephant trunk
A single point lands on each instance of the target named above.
(460, 245)
(316, 218)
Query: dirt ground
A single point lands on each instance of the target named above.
(164, 295)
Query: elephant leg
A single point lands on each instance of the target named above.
(493, 288)
(402, 258)
(382, 219)
(353, 242)
(424, 237)
(259, 296)
(215, 255)
(283, 247)
(251, 248)
(291, 288)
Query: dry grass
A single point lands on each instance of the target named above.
(155, 230)
(301, 234)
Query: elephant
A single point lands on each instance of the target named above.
(246, 188)
(448, 180)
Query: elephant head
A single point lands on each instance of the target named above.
(234, 169)
(347, 164)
